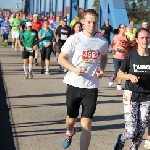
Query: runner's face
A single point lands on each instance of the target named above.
(45, 24)
(77, 28)
(17, 16)
(106, 21)
(29, 28)
(122, 29)
(143, 39)
(6, 18)
(90, 23)
(145, 26)
(35, 18)
(63, 23)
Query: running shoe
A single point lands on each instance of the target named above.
(119, 87)
(47, 72)
(111, 81)
(42, 71)
(60, 69)
(65, 70)
(13, 46)
(35, 64)
(26, 76)
(147, 144)
(68, 139)
(30, 75)
(119, 145)
(15, 49)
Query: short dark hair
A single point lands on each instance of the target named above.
(90, 11)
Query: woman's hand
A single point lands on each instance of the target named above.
(134, 79)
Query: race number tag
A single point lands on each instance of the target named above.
(120, 50)
(28, 49)
(90, 55)
(63, 37)
(127, 96)
(46, 44)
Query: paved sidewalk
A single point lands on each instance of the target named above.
(33, 111)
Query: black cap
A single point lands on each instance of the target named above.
(64, 19)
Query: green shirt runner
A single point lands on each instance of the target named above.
(16, 22)
(29, 39)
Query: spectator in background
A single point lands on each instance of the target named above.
(55, 24)
(5, 29)
(1, 20)
(76, 19)
(129, 33)
(132, 24)
(145, 24)
(24, 20)
(51, 18)
(77, 27)
(20, 15)
(106, 30)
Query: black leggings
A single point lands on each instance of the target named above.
(46, 52)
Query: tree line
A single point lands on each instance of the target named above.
(136, 11)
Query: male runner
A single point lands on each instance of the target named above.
(29, 38)
(61, 34)
(81, 55)
(15, 24)
(5, 29)
(1, 20)
(36, 25)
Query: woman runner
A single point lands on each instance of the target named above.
(119, 53)
(135, 69)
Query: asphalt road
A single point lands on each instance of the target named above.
(33, 111)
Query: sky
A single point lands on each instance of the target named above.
(10, 4)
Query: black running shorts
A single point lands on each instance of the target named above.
(5, 36)
(26, 54)
(86, 97)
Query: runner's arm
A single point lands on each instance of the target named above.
(124, 68)
(62, 60)
(20, 39)
(66, 50)
(122, 75)
(103, 62)
(104, 58)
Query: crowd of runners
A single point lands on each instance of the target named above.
(79, 48)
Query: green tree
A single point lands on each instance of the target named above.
(96, 5)
(138, 11)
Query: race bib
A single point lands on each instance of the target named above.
(29, 49)
(120, 50)
(1, 19)
(46, 44)
(127, 96)
(63, 37)
(90, 55)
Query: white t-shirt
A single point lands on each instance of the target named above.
(86, 52)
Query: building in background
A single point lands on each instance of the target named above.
(70, 8)
(111, 9)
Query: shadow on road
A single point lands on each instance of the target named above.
(6, 136)
(43, 95)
